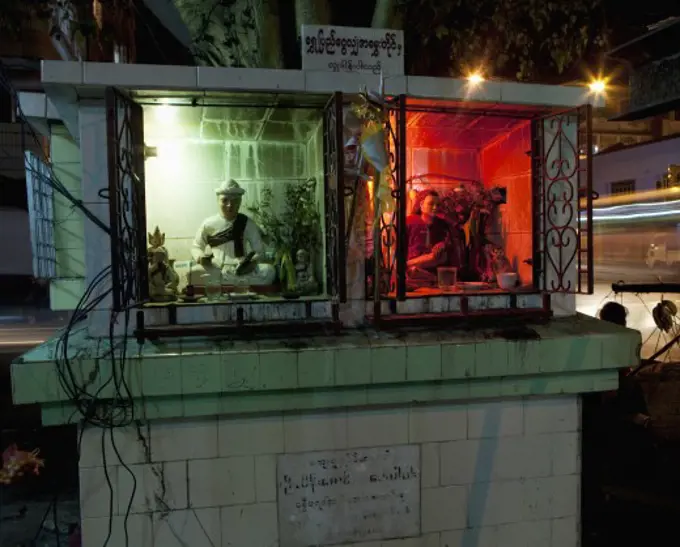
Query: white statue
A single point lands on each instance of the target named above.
(228, 246)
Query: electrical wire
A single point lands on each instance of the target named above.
(108, 404)
(102, 402)
(53, 181)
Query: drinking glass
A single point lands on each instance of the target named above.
(447, 278)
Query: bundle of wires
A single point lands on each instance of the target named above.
(110, 405)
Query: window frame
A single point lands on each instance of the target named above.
(622, 187)
(397, 304)
(127, 211)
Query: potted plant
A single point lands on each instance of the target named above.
(294, 227)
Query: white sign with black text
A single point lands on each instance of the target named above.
(349, 49)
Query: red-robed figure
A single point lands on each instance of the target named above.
(432, 242)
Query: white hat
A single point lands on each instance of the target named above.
(230, 188)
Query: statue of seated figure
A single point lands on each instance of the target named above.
(235, 244)
(432, 242)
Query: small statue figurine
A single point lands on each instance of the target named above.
(496, 262)
(305, 282)
(163, 279)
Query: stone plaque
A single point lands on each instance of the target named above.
(326, 498)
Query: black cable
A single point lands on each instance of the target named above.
(54, 182)
(93, 409)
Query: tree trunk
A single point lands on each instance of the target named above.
(271, 51)
(311, 12)
(386, 15)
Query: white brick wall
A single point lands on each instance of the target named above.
(494, 474)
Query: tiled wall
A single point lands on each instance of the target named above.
(69, 237)
(442, 161)
(492, 473)
(505, 163)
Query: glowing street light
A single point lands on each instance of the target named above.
(475, 78)
(597, 86)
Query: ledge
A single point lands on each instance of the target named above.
(94, 77)
(203, 377)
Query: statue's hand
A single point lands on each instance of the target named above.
(245, 267)
(205, 261)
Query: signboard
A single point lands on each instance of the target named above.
(349, 49)
(326, 498)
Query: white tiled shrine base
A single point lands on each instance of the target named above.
(493, 474)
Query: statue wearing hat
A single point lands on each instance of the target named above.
(228, 246)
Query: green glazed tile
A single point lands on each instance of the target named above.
(517, 386)
(333, 398)
(524, 356)
(570, 354)
(353, 366)
(161, 376)
(247, 403)
(104, 385)
(58, 414)
(240, 371)
(423, 363)
(316, 368)
(163, 407)
(620, 350)
(278, 369)
(606, 380)
(392, 394)
(35, 382)
(453, 391)
(388, 364)
(491, 357)
(458, 360)
(485, 389)
(133, 376)
(201, 405)
(201, 373)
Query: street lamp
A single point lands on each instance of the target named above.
(597, 86)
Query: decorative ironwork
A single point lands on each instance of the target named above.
(336, 257)
(563, 202)
(391, 271)
(129, 261)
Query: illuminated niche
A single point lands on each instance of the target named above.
(473, 163)
(273, 156)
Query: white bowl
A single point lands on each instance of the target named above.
(507, 280)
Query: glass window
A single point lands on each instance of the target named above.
(235, 202)
(468, 203)
(622, 187)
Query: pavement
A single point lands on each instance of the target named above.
(32, 523)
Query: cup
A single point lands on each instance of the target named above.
(213, 287)
(507, 280)
(447, 278)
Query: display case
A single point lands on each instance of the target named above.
(479, 199)
(230, 198)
